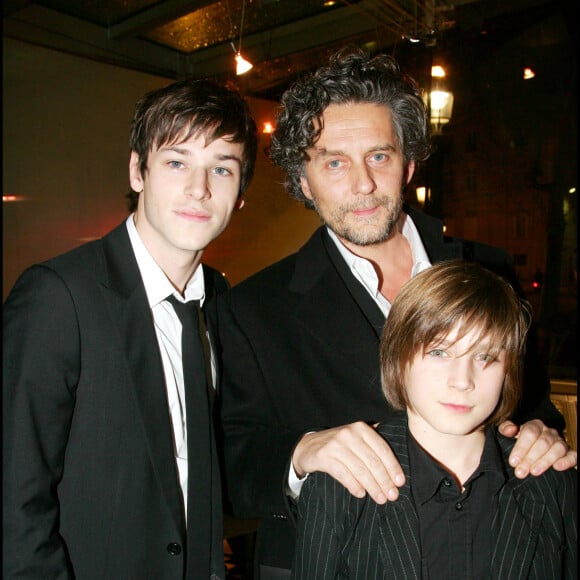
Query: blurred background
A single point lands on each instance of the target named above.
(504, 121)
(498, 76)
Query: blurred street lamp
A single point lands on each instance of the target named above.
(439, 104)
(439, 100)
(421, 193)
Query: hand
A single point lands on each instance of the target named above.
(356, 456)
(537, 448)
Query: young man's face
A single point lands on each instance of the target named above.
(188, 194)
(356, 173)
(454, 387)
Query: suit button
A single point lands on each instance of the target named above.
(174, 549)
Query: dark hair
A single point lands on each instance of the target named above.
(432, 303)
(191, 107)
(352, 76)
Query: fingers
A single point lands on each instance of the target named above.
(356, 456)
(569, 460)
(538, 448)
(508, 429)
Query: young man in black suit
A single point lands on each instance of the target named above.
(105, 473)
(451, 358)
(301, 386)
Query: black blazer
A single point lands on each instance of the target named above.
(533, 526)
(91, 489)
(300, 352)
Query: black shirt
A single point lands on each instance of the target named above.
(455, 526)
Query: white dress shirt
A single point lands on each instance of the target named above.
(168, 331)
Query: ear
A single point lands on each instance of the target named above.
(305, 187)
(410, 171)
(240, 202)
(135, 177)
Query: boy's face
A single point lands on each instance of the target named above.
(455, 386)
(188, 194)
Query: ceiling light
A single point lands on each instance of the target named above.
(242, 65)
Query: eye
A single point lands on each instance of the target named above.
(437, 353)
(334, 163)
(176, 164)
(222, 171)
(379, 157)
(485, 357)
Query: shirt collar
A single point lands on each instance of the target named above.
(428, 474)
(157, 285)
(365, 272)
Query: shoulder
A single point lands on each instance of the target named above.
(394, 428)
(550, 482)
(215, 282)
(73, 265)
(95, 258)
(296, 273)
(322, 493)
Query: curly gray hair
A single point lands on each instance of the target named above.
(352, 76)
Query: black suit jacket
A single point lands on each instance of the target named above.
(300, 353)
(91, 489)
(533, 526)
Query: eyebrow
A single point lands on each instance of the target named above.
(324, 152)
(186, 153)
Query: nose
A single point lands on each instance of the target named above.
(197, 186)
(461, 375)
(363, 181)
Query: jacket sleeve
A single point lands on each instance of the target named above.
(320, 521)
(569, 501)
(40, 373)
(256, 446)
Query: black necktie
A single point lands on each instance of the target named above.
(200, 446)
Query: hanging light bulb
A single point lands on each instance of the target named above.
(242, 65)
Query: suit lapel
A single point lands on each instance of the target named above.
(514, 529)
(430, 229)
(400, 544)
(325, 305)
(399, 539)
(359, 294)
(125, 294)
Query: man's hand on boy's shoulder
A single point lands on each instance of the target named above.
(537, 448)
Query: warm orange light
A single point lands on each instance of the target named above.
(242, 65)
(437, 71)
(8, 197)
(268, 127)
(421, 193)
(528, 73)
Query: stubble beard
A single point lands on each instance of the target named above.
(364, 231)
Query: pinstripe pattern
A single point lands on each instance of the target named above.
(534, 533)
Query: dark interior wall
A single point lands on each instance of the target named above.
(65, 155)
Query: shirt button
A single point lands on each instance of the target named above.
(446, 483)
(458, 506)
(174, 549)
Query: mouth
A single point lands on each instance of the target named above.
(193, 215)
(455, 408)
(365, 212)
